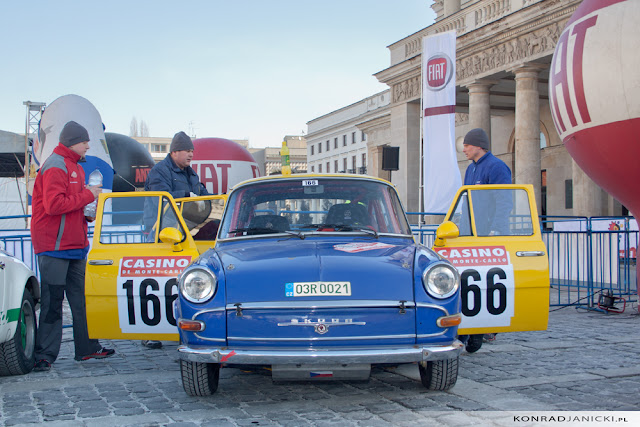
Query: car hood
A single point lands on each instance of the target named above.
(260, 269)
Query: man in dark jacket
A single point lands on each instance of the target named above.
(487, 169)
(175, 176)
(491, 209)
(59, 238)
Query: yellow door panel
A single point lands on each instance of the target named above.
(140, 245)
(501, 258)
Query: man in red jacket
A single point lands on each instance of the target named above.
(59, 238)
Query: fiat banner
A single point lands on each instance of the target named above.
(441, 177)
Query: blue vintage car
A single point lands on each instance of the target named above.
(319, 277)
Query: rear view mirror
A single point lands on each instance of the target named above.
(446, 230)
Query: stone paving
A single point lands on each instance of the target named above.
(584, 361)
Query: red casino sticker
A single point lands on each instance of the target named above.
(153, 266)
(477, 255)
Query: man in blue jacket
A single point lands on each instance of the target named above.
(491, 208)
(175, 176)
(487, 169)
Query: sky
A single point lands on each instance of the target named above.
(236, 69)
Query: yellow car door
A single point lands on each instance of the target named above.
(492, 235)
(140, 245)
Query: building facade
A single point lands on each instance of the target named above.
(335, 144)
(269, 160)
(504, 51)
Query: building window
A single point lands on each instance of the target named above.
(328, 169)
(320, 168)
(344, 164)
(312, 147)
(328, 145)
(335, 166)
(364, 160)
(335, 143)
(568, 194)
(319, 147)
(363, 136)
(353, 162)
(344, 140)
(159, 148)
(313, 169)
(353, 137)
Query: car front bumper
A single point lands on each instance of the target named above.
(409, 354)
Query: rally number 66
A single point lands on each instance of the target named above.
(471, 292)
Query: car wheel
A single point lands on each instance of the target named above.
(17, 355)
(475, 343)
(199, 379)
(440, 374)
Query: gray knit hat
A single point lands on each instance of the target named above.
(181, 142)
(72, 134)
(477, 137)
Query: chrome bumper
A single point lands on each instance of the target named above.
(320, 356)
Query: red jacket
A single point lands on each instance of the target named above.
(59, 196)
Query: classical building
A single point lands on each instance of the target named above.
(334, 142)
(504, 51)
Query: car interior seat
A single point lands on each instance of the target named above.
(348, 214)
(274, 222)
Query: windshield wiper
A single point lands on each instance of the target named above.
(347, 227)
(255, 230)
(295, 233)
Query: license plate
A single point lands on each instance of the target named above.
(318, 289)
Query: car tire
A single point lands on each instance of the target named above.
(474, 343)
(17, 356)
(439, 374)
(199, 379)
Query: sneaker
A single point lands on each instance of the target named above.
(42, 365)
(100, 354)
(489, 337)
(152, 344)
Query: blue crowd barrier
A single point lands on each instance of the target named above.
(587, 256)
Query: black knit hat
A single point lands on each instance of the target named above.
(477, 137)
(72, 134)
(181, 142)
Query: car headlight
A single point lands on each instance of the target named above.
(198, 285)
(440, 280)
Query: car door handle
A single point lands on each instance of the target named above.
(101, 262)
(530, 253)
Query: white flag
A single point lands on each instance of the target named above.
(441, 173)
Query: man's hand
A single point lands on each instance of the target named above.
(95, 190)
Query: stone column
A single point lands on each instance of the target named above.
(527, 134)
(405, 133)
(479, 105)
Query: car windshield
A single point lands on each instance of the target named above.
(301, 205)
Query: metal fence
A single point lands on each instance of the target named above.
(587, 256)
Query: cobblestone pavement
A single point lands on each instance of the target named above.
(585, 361)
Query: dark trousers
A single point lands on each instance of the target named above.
(59, 277)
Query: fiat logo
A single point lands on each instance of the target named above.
(439, 71)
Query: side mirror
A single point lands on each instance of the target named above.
(173, 236)
(446, 230)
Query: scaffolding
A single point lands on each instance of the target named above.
(32, 124)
